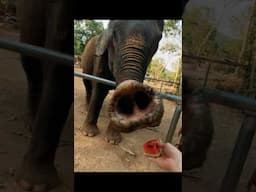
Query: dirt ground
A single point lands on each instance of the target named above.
(92, 154)
(14, 137)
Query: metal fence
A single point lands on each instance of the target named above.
(243, 140)
(35, 51)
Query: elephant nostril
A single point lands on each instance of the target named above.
(142, 100)
(125, 105)
(134, 105)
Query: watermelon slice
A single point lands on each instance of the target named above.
(152, 148)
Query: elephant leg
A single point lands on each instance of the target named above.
(37, 171)
(32, 32)
(112, 135)
(33, 70)
(99, 93)
(88, 87)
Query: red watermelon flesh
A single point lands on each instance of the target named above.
(152, 148)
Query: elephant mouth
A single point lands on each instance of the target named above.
(134, 105)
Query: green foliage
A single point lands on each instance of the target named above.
(170, 46)
(198, 23)
(172, 30)
(179, 71)
(83, 31)
(196, 26)
(157, 70)
(171, 27)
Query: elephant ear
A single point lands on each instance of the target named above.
(160, 24)
(103, 42)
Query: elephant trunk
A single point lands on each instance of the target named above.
(132, 64)
(134, 105)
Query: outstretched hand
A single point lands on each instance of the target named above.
(171, 158)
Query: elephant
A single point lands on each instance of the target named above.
(122, 53)
(197, 127)
(50, 88)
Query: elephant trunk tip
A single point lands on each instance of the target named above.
(134, 105)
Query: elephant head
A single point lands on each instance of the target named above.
(128, 46)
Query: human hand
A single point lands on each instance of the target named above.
(171, 158)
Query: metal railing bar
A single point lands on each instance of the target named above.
(230, 99)
(170, 97)
(95, 78)
(36, 51)
(112, 83)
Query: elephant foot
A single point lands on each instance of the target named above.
(90, 130)
(36, 178)
(113, 136)
(27, 186)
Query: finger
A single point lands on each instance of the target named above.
(161, 145)
(170, 150)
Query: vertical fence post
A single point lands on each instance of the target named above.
(206, 75)
(239, 155)
(161, 87)
(175, 119)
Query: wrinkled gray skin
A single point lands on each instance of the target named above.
(122, 53)
(50, 88)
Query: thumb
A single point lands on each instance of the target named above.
(169, 150)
